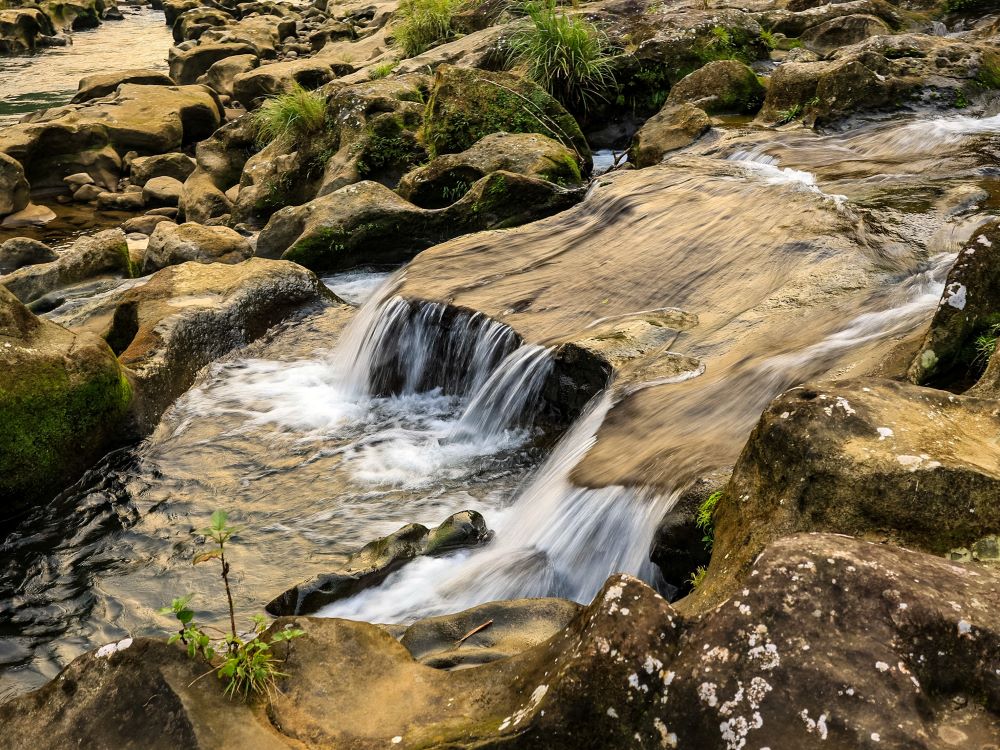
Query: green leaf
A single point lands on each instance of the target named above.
(219, 519)
(185, 616)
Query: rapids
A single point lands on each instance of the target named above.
(801, 254)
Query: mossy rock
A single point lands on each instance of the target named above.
(721, 87)
(467, 104)
(62, 395)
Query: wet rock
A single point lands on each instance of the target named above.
(368, 223)
(145, 168)
(468, 104)
(187, 66)
(78, 180)
(873, 458)
(101, 84)
(14, 189)
(512, 627)
(88, 193)
(144, 224)
(21, 28)
(720, 87)
(24, 251)
(448, 177)
(31, 215)
(88, 257)
(128, 201)
(191, 24)
(375, 561)
(673, 127)
(62, 395)
(171, 244)
(969, 307)
(162, 191)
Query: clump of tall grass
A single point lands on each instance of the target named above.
(292, 116)
(567, 55)
(423, 24)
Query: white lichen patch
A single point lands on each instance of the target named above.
(884, 432)
(706, 693)
(112, 648)
(954, 295)
(667, 738)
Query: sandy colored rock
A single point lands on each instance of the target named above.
(673, 127)
(170, 244)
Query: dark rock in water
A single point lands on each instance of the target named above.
(21, 28)
(24, 251)
(372, 563)
(826, 633)
(511, 627)
(101, 84)
(969, 307)
(874, 458)
(104, 253)
(171, 244)
(62, 397)
(448, 177)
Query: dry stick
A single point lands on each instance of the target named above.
(472, 632)
(199, 677)
(229, 594)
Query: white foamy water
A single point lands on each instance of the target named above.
(766, 168)
(356, 287)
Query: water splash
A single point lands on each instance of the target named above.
(766, 167)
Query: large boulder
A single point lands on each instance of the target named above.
(89, 257)
(219, 162)
(186, 66)
(673, 127)
(221, 76)
(879, 459)
(825, 634)
(368, 223)
(101, 84)
(20, 29)
(449, 176)
(467, 104)
(370, 565)
(250, 87)
(62, 397)
(171, 244)
(14, 188)
(721, 87)
(843, 31)
(145, 168)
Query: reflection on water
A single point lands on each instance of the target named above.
(49, 77)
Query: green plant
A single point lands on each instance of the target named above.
(768, 38)
(698, 576)
(423, 24)
(249, 667)
(381, 70)
(989, 73)
(294, 115)
(566, 55)
(703, 518)
(787, 115)
(960, 101)
(957, 5)
(452, 193)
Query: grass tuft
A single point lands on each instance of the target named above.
(566, 55)
(424, 24)
(294, 116)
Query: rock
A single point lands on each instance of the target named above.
(720, 87)
(220, 160)
(170, 244)
(145, 168)
(843, 31)
(24, 251)
(62, 396)
(448, 177)
(375, 561)
(101, 84)
(192, 24)
(30, 216)
(627, 671)
(866, 457)
(131, 201)
(20, 29)
(468, 104)
(144, 224)
(88, 257)
(187, 66)
(162, 191)
(14, 188)
(222, 74)
(88, 193)
(78, 180)
(274, 78)
(367, 223)
(673, 127)
(969, 307)
(514, 627)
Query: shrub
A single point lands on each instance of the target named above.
(566, 55)
(382, 70)
(293, 116)
(423, 24)
(698, 576)
(248, 667)
(703, 519)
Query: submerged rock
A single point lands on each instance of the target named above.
(376, 560)
(62, 398)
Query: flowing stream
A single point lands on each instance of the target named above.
(340, 428)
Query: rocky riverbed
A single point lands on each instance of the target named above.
(651, 406)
